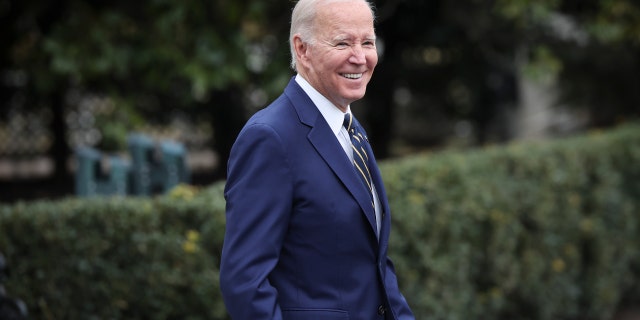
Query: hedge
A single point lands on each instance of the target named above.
(117, 258)
(545, 230)
(528, 231)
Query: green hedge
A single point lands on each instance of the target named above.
(527, 231)
(118, 258)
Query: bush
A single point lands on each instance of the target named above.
(528, 231)
(117, 258)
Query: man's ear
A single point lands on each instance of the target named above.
(301, 48)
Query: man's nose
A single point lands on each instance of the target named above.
(357, 55)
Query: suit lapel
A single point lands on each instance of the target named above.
(332, 153)
(382, 197)
(324, 141)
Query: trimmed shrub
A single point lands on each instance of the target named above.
(526, 231)
(529, 231)
(117, 258)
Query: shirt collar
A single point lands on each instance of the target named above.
(330, 112)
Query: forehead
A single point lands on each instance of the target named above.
(345, 18)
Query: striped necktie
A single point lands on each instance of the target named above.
(360, 155)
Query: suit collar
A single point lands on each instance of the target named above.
(304, 107)
(333, 115)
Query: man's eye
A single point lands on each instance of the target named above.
(342, 44)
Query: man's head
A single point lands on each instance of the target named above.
(333, 47)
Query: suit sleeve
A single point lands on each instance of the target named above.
(258, 197)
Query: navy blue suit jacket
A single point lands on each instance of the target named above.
(300, 239)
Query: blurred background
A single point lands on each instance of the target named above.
(452, 74)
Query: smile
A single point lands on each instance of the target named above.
(352, 75)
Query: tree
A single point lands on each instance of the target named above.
(443, 64)
(591, 48)
(446, 63)
(149, 58)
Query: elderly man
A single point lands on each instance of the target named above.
(307, 214)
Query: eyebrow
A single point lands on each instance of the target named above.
(345, 38)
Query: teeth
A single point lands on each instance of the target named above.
(352, 75)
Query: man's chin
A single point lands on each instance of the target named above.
(354, 96)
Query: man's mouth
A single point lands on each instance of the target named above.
(352, 75)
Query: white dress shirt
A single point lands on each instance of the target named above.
(335, 118)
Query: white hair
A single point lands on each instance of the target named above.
(302, 22)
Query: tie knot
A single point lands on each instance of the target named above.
(348, 121)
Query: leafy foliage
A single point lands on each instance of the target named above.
(536, 231)
(457, 60)
(117, 258)
(543, 230)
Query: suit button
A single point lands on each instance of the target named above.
(381, 310)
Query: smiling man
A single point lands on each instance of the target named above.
(308, 219)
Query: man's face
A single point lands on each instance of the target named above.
(340, 62)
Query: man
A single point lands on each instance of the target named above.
(307, 221)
